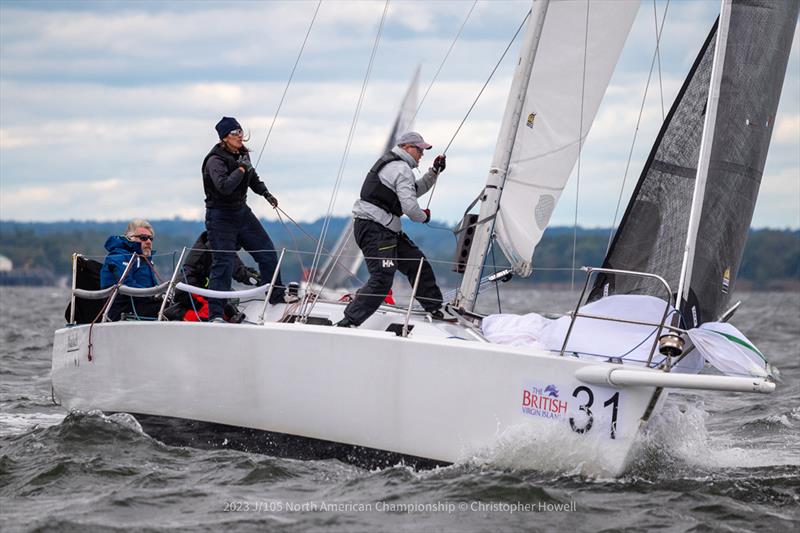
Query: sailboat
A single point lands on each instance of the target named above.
(407, 387)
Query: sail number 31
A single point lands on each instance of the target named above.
(587, 393)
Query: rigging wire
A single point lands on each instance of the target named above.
(496, 281)
(288, 83)
(471, 107)
(658, 55)
(278, 211)
(351, 274)
(435, 76)
(580, 148)
(458, 129)
(293, 221)
(636, 130)
(335, 258)
(342, 164)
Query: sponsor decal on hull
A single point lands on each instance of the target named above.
(578, 407)
(543, 401)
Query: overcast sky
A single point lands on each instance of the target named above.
(108, 108)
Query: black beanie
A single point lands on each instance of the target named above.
(227, 125)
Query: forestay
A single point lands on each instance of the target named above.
(558, 111)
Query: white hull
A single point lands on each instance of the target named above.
(427, 395)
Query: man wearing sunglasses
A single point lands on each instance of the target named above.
(135, 246)
(389, 192)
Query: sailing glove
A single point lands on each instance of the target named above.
(427, 216)
(440, 163)
(271, 199)
(244, 162)
(253, 277)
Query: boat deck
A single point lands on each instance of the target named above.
(386, 319)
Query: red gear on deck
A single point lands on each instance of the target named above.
(201, 315)
(389, 298)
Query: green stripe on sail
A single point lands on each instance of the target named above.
(740, 342)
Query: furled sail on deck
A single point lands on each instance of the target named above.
(559, 108)
(346, 258)
(653, 232)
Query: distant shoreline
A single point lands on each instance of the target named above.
(779, 285)
(771, 259)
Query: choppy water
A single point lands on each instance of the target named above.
(726, 462)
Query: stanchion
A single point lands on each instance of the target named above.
(271, 287)
(413, 295)
(171, 285)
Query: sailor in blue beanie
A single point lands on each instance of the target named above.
(227, 125)
(227, 174)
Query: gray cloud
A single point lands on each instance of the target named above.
(115, 102)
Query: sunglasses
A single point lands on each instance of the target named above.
(236, 133)
(144, 237)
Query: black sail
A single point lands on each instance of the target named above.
(759, 42)
(652, 234)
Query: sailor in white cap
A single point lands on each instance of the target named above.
(389, 192)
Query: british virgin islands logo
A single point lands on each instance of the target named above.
(543, 402)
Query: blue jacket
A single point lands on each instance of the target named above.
(120, 251)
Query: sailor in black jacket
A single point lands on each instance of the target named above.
(227, 174)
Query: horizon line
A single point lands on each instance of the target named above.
(201, 221)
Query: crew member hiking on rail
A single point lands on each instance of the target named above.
(227, 174)
(389, 191)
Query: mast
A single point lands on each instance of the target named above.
(490, 198)
(705, 154)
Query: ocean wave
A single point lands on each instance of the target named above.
(19, 423)
(678, 440)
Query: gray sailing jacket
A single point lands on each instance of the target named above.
(399, 177)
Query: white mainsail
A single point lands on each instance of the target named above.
(346, 258)
(560, 102)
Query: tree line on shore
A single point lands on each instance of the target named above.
(771, 258)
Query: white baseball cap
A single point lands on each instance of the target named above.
(412, 137)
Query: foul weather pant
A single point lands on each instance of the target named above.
(228, 230)
(386, 252)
